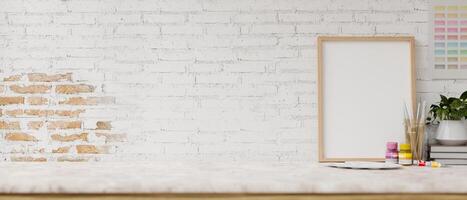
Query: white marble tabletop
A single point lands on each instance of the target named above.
(189, 177)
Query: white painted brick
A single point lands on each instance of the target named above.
(396, 29)
(216, 54)
(204, 68)
(267, 29)
(11, 30)
(180, 5)
(218, 78)
(90, 30)
(318, 29)
(50, 6)
(164, 18)
(416, 17)
(266, 54)
(246, 67)
(376, 17)
(358, 29)
(132, 6)
(254, 41)
(210, 18)
(221, 29)
(166, 67)
(182, 29)
(119, 19)
(300, 17)
(12, 6)
(249, 18)
(72, 18)
(47, 30)
(87, 6)
(29, 19)
(338, 17)
(138, 30)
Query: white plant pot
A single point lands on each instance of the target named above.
(452, 132)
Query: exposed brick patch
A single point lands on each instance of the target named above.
(88, 100)
(11, 100)
(20, 137)
(28, 159)
(12, 78)
(70, 138)
(72, 159)
(87, 149)
(40, 111)
(31, 89)
(9, 125)
(64, 125)
(35, 125)
(61, 150)
(112, 137)
(14, 113)
(42, 77)
(101, 125)
(37, 101)
(74, 89)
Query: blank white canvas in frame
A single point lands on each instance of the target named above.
(364, 86)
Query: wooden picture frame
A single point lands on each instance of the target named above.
(387, 45)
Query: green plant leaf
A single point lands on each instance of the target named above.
(464, 96)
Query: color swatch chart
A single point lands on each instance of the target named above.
(450, 37)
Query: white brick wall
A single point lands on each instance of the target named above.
(204, 79)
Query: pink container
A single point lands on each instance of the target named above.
(392, 155)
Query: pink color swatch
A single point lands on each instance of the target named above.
(439, 30)
(452, 30)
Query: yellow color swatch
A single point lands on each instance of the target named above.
(463, 59)
(440, 8)
(452, 8)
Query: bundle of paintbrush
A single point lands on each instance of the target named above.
(415, 130)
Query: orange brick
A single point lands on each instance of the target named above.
(103, 125)
(39, 113)
(9, 125)
(11, 100)
(31, 89)
(28, 159)
(41, 77)
(70, 138)
(19, 137)
(61, 150)
(74, 89)
(37, 101)
(14, 113)
(64, 125)
(109, 137)
(69, 113)
(91, 149)
(88, 101)
(35, 125)
(13, 78)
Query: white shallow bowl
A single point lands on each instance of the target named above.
(451, 142)
(365, 165)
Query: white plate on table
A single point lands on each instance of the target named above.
(365, 165)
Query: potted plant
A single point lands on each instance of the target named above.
(450, 114)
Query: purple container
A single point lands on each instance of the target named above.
(392, 155)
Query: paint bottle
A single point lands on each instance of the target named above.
(392, 155)
(405, 154)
